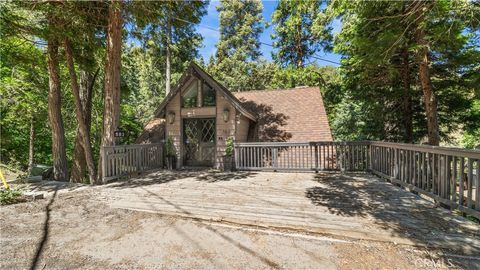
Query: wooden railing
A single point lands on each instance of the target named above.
(122, 160)
(309, 156)
(448, 175)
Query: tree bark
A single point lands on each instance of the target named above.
(168, 64)
(60, 172)
(79, 112)
(429, 98)
(407, 98)
(79, 166)
(299, 48)
(30, 145)
(111, 113)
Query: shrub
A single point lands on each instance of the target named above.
(9, 196)
(169, 147)
(229, 147)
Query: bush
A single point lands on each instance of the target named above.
(169, 148)
(229, 147)
(9, 196)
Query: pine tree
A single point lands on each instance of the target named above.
(294, 39)
(241, 23)
(111, 113)
(392, 50)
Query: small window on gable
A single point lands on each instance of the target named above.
(208, 95)
(189, 97)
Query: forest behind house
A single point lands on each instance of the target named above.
(74, 72)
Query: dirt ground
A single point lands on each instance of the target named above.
(75, 229)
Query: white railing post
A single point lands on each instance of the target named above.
(275, 156)
(235, 155)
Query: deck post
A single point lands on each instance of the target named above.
(275, 155)
(235, 155)
(137, 157)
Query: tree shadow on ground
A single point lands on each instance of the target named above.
(267, 261)
(391, 208)
(165, 176)
(212, 177)
(48, 186)
(153, 178)
(45, 235)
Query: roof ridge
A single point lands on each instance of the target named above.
(275, 90)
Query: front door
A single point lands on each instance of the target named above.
(199, 141)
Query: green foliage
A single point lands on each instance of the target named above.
(23, 88)
(374, 38)
(170, 147)
(229, 147)
(9, 196)
(24, 74)
(295, 39)
(364, 97)
(143, 82)
(241, 24)
(471, 139)
(471, 135)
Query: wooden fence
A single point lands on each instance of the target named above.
(310, 156)
(122, 160)
(451, 176)
(448, 175)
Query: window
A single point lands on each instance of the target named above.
(189, 98)
(208, 95)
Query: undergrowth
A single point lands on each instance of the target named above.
(9, 196)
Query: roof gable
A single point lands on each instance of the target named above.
(195, 70)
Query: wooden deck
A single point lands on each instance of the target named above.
(353, 206)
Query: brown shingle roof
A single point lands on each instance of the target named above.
(153, 132)
(303, 107)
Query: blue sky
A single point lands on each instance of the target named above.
(210, 37)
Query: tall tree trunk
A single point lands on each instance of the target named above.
(168, 64)
(60, 172)
(299, 48)
(430, 100)
(30, 145)
(111, 113)
(407, 98)
(87, 82)
(79, 112)
(79, 166)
